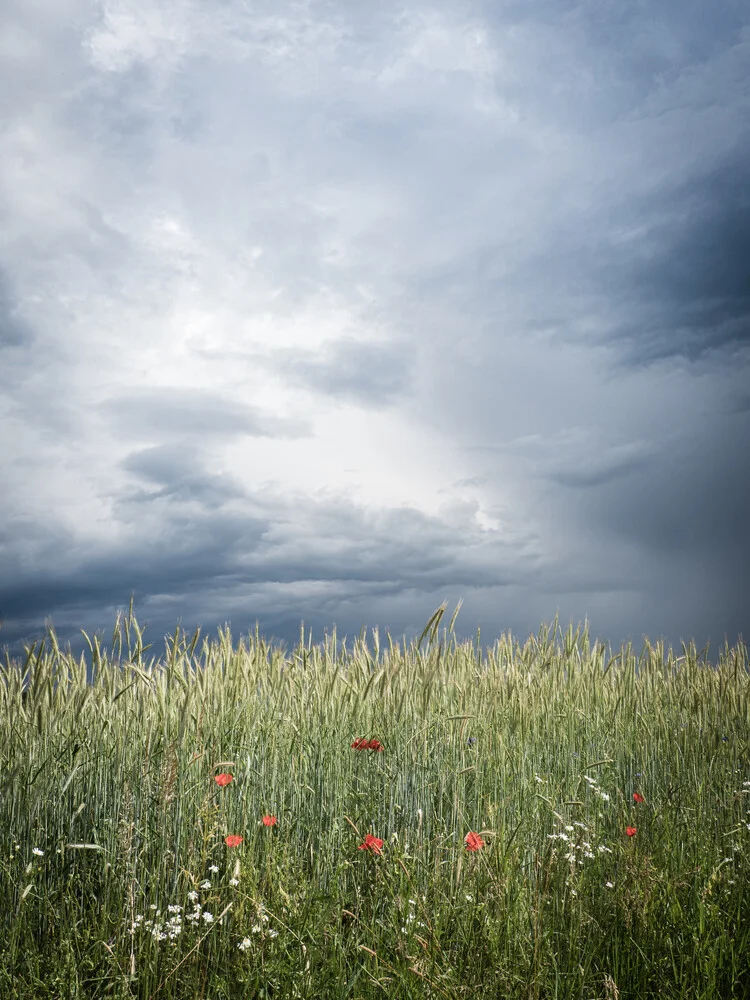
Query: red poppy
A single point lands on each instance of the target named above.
(473, 841)
(362, 744)
(631, 830)
(373, 843)
(269, 821)
(233, 840)
(637, 797)
(223, 779)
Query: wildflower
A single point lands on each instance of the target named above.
(473, 841)
(214, 868)
(37, 851)
(609, 885)
(244, 944)
(192, 896)
(631, 830)
(223, 779)
(637, 797)
(205, 884)
(362, 744)
(273, 934)
(373, 843)
(234, 881)
(233, 840)
(174, 908)
(208, 917)
(269, 821)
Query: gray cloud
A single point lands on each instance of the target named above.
(339, 312)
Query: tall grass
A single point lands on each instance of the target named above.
(109, 768)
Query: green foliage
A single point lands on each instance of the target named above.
(538, 749)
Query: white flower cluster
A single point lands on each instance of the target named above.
(577, 848)
(595, 788)
(160, 930)
(258, 928)
(170, 927)
(410, 917)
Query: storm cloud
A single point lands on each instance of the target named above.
(333, 313)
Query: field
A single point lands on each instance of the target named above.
(534, 822)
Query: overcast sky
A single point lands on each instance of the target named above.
(332, 312)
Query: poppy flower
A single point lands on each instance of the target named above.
(233, 840)
(473, 841)
(269, 821)
(223, 779)
(637, 797)
(362, 744)
(631, 830)
(373, 843)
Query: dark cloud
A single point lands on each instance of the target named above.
(14, 332)
(488, 266)
(170, 411)
(373, 375)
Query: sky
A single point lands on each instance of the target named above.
(333, 313)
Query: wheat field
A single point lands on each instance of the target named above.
(536, 821)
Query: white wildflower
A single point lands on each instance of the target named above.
(214, 868)
(192, 896)
(205, 884)
(234, 881)
(244, 944)
(208, 917)
(609, 885)
(273, 934)
(37, 851)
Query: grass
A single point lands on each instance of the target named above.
(538, 750)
